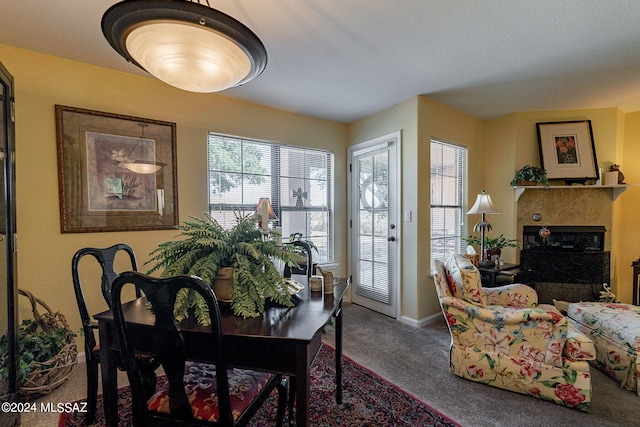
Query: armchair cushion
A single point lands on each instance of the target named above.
(537, 332)
(464, 279)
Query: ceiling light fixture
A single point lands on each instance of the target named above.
(185, 44)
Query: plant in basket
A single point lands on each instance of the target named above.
(35, 345)
(46, 348)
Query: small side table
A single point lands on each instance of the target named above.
(490, 275)
(636, 274)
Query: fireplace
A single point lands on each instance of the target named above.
(570, 264)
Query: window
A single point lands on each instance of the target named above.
(448, 170)
(299, 182)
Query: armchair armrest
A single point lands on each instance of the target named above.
(578, 346)
(514, 295)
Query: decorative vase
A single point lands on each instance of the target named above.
(522, 183)
(544, 232)
(223, 283)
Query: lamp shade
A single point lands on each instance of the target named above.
(185, 44)
(483, 205)
(264, 205)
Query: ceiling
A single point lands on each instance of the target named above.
(343, 60)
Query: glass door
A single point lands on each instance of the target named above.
(374, 249)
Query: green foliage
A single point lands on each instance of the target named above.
(492, 242)
(35, 344)
(229, 156)
(530, 173)
(203, 246)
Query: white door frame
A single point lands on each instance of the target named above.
(394, 141)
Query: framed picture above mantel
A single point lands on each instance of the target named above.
(567, 150)
(115, 172)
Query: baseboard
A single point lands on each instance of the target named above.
(420, 323)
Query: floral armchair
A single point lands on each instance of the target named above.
(503, 338)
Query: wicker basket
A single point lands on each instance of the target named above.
(49, 375)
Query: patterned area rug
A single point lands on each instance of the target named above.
(368, 400)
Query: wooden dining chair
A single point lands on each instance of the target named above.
(106, 258)
(195, 392)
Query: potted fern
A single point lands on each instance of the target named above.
(205, 249)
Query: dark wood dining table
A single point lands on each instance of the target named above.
(282, 340)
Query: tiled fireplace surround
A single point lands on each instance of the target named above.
(567, 207)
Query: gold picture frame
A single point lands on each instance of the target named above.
(98, 193)
(567, 150)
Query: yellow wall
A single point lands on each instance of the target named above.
(500, 154)
(421, 119)
(444, 123)
(629, 248)
(496, 149)
(512, 142)
(401, 117)
(616, 141)
(41, 81)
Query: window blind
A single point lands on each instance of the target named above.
(448, 171)
(298, 180)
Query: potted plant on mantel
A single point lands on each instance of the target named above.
(242, 256)
(530, 175)
(492, 245)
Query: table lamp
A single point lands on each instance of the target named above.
(266, 213)
(483, 206)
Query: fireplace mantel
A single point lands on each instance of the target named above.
(616, 190)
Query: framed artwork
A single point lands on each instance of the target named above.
(567, 150)
(115, 172)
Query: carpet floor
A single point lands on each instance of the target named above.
(368, 400)
(417, 360)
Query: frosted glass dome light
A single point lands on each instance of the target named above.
(185, 44)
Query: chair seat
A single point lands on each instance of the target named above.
(142, 358)
(201, 387)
